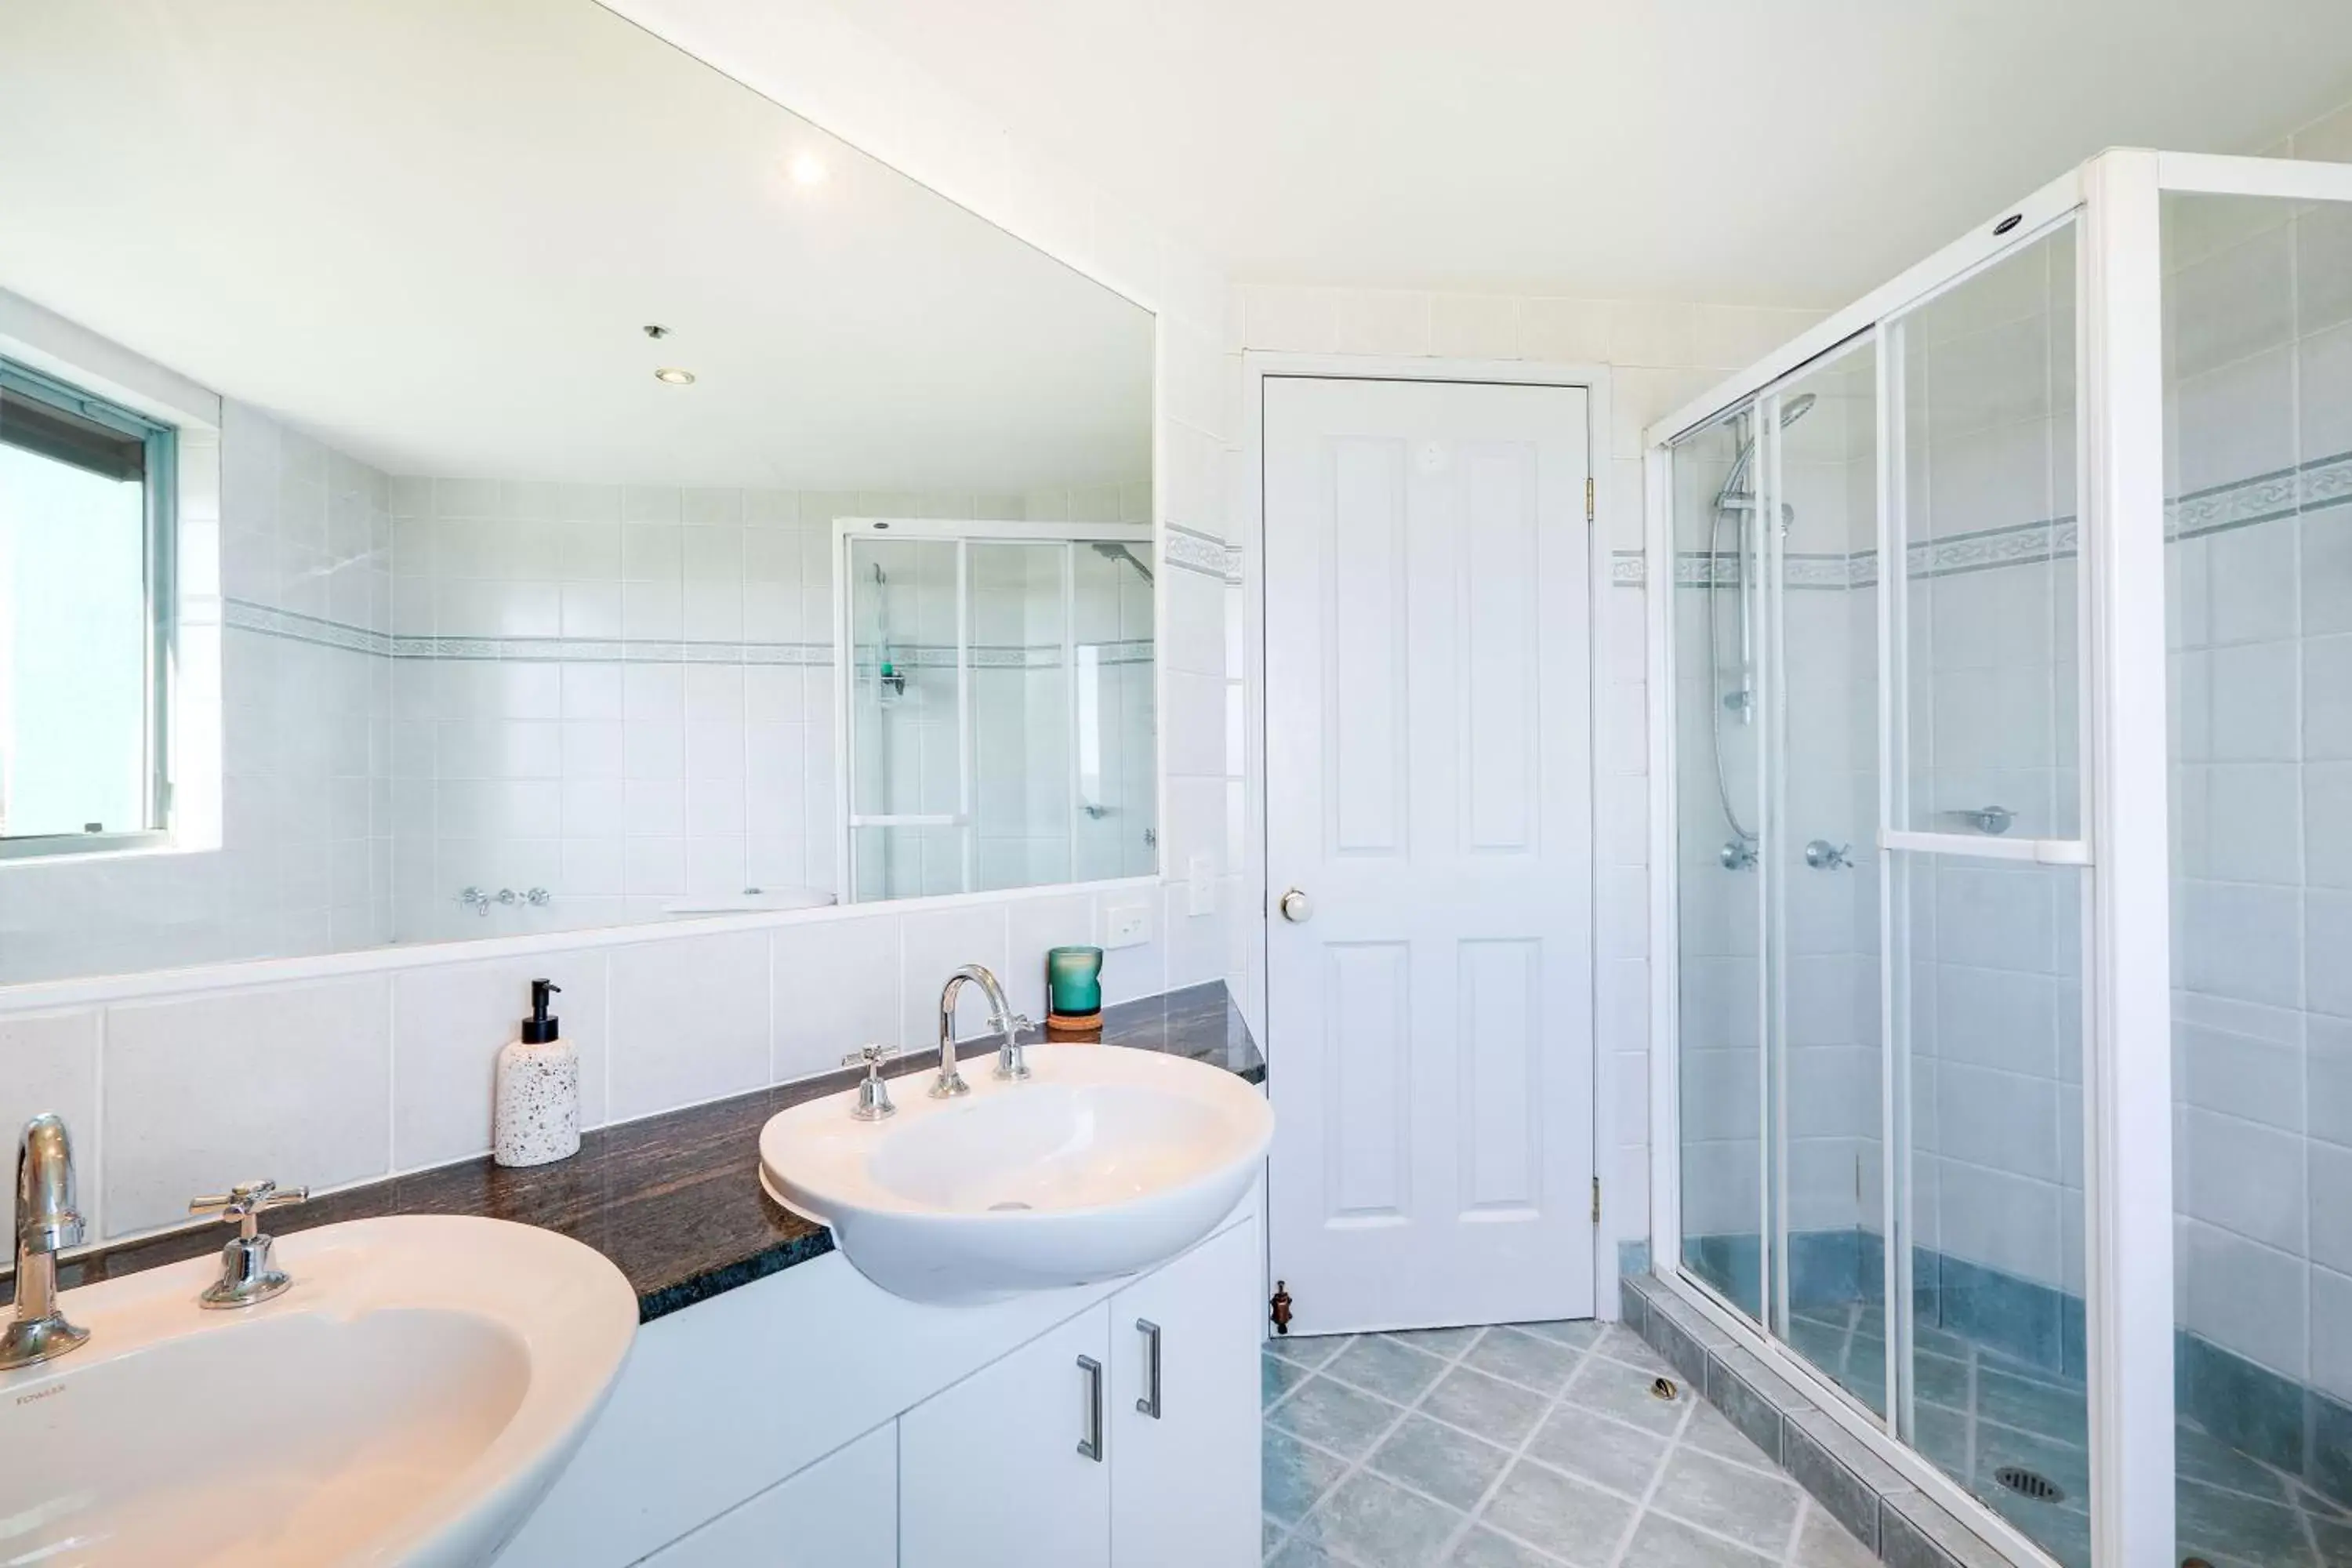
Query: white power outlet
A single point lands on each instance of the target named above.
(1200, 886)
(1127, 925)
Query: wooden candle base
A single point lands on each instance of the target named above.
(1073, 1027)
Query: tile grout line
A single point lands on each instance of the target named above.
(1473, 1516)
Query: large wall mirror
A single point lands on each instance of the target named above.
(617, 500)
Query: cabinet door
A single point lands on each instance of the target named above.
(840, 1512)
(991, 1471)
(1185, 1481)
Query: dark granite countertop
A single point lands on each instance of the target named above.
(674, 1201)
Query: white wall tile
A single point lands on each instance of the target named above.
(48, 1062)
(292, 1083)
(689, 1021)
(836, 988)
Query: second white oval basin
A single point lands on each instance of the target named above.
(1105, 1161)
(409, 1401)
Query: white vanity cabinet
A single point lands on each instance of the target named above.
(1082, 1449)
(1185, 1477)
(813, 1419)
(1008, 1469)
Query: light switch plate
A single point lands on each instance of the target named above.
(1127, 925)
(1200, 886)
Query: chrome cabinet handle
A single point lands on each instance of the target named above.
(1150, 1404)
(1297, 906)
(1090, 1447)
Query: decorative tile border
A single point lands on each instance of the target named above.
(244, 615)
(1191, 551)
(2316, 486)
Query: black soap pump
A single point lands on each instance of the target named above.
(536, 1115)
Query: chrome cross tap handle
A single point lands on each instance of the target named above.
(249, 1274)
(873, 1093)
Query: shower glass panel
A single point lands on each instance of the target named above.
(1822, 483)
(1717, 610)
(2258, 558)
(1019, 613)
(1986, 515)
(1987, 960)
(905, 717)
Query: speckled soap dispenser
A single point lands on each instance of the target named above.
(536, 1117)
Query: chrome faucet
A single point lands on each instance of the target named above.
(46, 1222)
(1000, 1018)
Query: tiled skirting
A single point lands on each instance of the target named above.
(1886, 1512)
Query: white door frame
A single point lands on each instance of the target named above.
(1594, 381)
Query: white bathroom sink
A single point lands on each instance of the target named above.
(1105, 1161)
(409, 1401)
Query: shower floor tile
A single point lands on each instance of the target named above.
(1979, 1411)
(1533, 1445)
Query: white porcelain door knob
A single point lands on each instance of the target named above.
(1297, 906)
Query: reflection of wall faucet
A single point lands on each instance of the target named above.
(1992, 819)
(1823, 855)
(476, 900)
(1737, 855)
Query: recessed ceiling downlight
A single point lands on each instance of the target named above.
(806, 169)
(670, 376)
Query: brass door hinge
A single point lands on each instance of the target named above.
(1596, 1200)
(1587, 500)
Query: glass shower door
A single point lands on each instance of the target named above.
(1717, 609)
(1820, 472)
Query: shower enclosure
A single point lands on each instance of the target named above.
(996, 705)
(2003, 725)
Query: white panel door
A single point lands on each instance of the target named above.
(1428, 780)
(1008, 1469)
(1184, 1481)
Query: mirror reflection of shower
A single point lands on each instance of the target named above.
(1736, 505)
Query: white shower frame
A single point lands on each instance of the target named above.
(2114, 198)
(963, 532)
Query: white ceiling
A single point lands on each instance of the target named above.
(1789, 153)
(430, 231)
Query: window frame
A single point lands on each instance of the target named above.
(161, 493)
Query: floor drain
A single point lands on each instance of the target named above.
(2029, 1483)
(1663, 1388)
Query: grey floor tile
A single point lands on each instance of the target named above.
(1502, 1412)
(1445, 1343)
(1624, 1391)
(1529, 1360)
(1577, 1524)
(1302, 1553)
(1579, 1333)
(1278, 1377)
(1482, 1548)
(1307, 1353)
(1621, 1343)
(2201, 1457)
(1663, 1543)
(1380, 1365)
(2335, 1542)
(1711, 1432)
(2043, 1409)
(1380, 1524)
(1296, 1474)
(2232, 1524)
(1756, 1509)
(1275, 1531)
(1824, 1543)
(1335, 1418)
(1587, 1444)
(1941, 1379)
(1450, 1466)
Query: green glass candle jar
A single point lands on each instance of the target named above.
(1074, 982)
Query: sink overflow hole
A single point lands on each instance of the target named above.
(1663, 1388)
(2029, 1483)
(1007, 1205)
